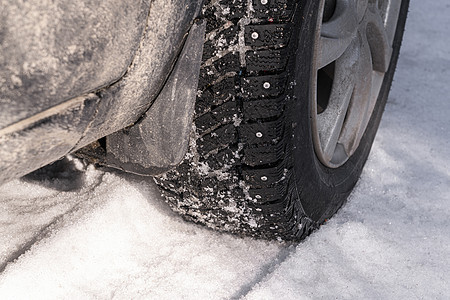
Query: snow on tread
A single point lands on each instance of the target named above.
(236, 175)
(266, 60)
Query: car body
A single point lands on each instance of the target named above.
(72, 72)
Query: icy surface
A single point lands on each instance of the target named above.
(111, 236)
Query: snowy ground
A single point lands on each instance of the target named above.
(109, 235)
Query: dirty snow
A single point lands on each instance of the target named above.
(100, 234)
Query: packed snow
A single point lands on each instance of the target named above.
(74, 232)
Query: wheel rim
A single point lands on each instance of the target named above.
(353, 49)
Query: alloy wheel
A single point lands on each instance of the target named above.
(353, 49)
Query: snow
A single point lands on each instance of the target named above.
(110, 235)
(122, 241)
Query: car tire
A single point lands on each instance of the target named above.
(258, 163)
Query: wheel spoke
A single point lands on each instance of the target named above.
(361, 7)
(378, 39)
(355, 46)
(344, 21)
(331, 120)
(391, 18)
(337, 34)
(331, 49)
(358, 111)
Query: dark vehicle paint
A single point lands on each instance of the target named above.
(35, 134)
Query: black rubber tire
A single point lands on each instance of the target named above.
(251, 168)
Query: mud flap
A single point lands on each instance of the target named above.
(160, 139)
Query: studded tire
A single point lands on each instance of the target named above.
(251, 168)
